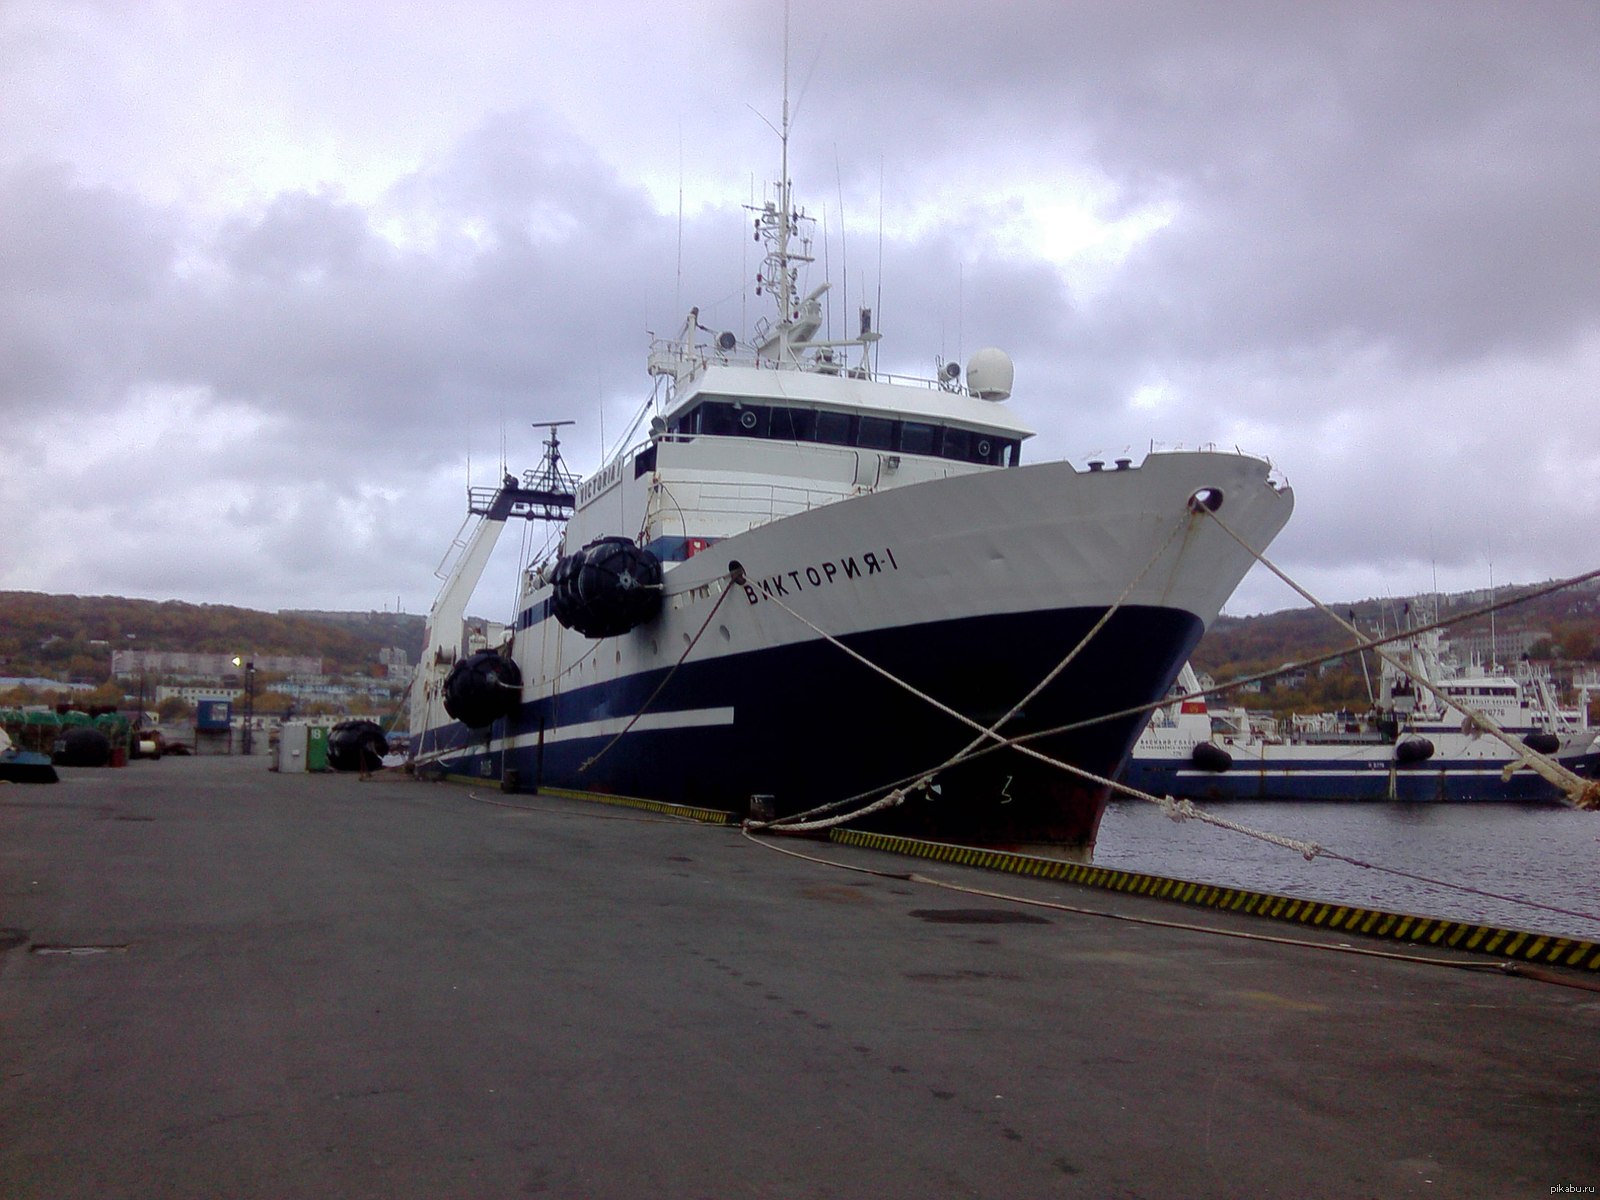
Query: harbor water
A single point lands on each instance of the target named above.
(1535, 859)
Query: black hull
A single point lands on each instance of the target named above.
(807, 724)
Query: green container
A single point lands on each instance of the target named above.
(38, 732)
(317, 748)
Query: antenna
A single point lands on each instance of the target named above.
(844, 242)
(879, 303)
(677, 295)
(827, 270)
(550, 491)
(1494, 664)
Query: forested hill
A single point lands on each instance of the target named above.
(1564, 625)
(72, 637)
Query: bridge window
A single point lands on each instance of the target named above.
(834, 428)
(750, 420)
(794, 424)
(917, 438)
(957, 444)
(876, 433)
(719, 420)
(830, 428)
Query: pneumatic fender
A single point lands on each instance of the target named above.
(1542, 742)
(356, 746)
(83, 746)
(1413, 750)
(481, 688)
(1209, 756)
(607, 588)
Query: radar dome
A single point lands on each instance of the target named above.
(990, 374)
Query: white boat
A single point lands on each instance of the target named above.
(677, 645)
(1421, 741)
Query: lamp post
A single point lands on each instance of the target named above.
(249, 698)
(249, 702)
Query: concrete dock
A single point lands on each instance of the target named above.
(221, 982)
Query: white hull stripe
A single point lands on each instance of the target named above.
(692, 718)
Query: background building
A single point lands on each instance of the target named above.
(187, 665)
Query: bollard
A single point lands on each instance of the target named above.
(763, 807)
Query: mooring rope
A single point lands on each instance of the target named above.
(1178, 810)
(1261, 676)
(1580, 792)
(734, 576)
(897, 794)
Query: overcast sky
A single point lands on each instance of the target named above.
(273, 275)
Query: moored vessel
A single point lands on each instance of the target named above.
(811, 577)
(1426, 738)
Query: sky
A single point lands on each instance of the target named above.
(277, 281)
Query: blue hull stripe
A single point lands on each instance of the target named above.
(1436, 781)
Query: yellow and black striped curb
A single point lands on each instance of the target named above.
(708, 816)
(1368, 922)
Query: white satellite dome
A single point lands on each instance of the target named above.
(990, 374)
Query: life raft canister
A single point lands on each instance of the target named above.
(607, 588)
(482, 688)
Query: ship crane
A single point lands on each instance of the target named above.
(546, 494)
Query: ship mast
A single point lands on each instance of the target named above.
(777, 224)
(779, 342)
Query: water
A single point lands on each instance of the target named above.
(1546, 855)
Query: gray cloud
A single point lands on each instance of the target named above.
(1377, 258)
